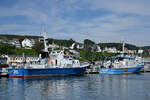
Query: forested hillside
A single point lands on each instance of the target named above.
(88, 53)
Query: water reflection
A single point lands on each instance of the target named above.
(87, 87)
(114, 86)
(45, 88)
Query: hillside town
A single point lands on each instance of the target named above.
(28, 43)
(74, 48)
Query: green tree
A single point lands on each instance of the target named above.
(88, 44)
(25, 51)
(6, 48)
(38, 47)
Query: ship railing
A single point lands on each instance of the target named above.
(63, 66)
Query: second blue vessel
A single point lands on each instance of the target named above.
(122, 64)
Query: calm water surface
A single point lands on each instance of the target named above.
(87, 87)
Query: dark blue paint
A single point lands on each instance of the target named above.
(46, 71)
(0, 70)
(121, 70)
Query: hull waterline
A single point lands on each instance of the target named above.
(48, 72)
(120, 70)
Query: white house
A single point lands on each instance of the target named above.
(99, 49)
(77, 45)
(80, 46)
(15, 43)
(28, 43)
(53, 46)
(140, 51)
(110, 50)
(72, 46)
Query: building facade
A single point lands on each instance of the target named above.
(28, 43)
(15, 59)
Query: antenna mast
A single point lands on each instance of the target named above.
(45, 37)
(123, 47)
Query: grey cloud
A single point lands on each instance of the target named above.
(108, 28)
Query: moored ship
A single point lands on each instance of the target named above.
(122, 64)
(56, 63)
(50, 67)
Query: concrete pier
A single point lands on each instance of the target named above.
(4, 72)
(146, 62)
(93, 69)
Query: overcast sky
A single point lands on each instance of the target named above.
(98, 20)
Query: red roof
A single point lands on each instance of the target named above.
(15, 39)
(147, 50)
(68, 54)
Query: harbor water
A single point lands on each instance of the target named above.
(87, 87)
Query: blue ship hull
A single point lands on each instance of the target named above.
(46, 72)
(121, 70)
(0, 71)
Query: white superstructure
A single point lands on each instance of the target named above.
(55, 59)
(123, 62)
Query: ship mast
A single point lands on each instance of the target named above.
(45, 37)
(123, 47)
